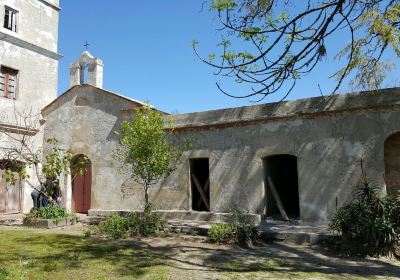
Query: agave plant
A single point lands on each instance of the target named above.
(371, 220)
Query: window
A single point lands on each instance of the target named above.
(8, 82)
(10, 19)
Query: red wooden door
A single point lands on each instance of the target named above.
(81, 191)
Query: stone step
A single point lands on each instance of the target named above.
(296, 233)
(11, 219)
(274, 232)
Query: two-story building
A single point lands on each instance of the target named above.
(28, 81)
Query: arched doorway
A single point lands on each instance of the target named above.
(392, 164)
(282, 191)
(81, 169)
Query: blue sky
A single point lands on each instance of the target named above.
(146, 47)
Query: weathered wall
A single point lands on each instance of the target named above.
(329, 143)
(329, 139)
(37, 80)
(37, 22)
(85, 120)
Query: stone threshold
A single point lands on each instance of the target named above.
(177, 215)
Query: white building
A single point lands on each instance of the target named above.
(28, 78)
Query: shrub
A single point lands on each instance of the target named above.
(244, 227)
(114, 227)
(370, 223)
(146, 223)
(134, 224)
(50, 212)
(221, 233)
(240, 229)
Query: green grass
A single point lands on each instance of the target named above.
(26, 255)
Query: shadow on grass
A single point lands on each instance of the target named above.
(57, 253)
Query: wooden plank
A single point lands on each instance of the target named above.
(277, 199)
(206, 187)
(199, 188)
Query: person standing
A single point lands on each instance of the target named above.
(47, 191)
(36, 194)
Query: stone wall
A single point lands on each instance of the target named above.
(329, 143)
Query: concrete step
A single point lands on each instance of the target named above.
(89, 220)
(11, 219)
(275, 231)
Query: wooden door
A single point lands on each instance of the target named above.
(81, 190)
(10, 196)
(13, 197)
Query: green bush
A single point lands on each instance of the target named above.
(114, 227)
(221, 233)
(134, 224)
(240, 229)
(244, 227)
(146, 223)
(50, 212)
(370, 223)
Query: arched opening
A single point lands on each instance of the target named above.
(81, 171)
(392, 164)
(282, 191)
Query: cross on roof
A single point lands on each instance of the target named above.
(86, 45)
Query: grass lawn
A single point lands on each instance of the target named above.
(28, 255)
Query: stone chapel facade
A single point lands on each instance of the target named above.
(309, 151)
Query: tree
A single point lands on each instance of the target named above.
(282, 41)
(21, 149)
(144, 148)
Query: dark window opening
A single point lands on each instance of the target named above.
(8, 82)
(281, 171)
(200, 184)
(12, 165)
(10, 19)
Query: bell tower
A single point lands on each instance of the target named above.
(87, 63)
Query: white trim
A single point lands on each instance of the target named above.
(29, 46)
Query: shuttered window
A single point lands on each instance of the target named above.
(8, 82)
(10, 19)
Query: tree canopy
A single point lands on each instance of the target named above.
(144, 148)
(282, 41)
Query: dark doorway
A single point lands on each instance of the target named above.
(81, 184)
(392, 164)
(200, 184)
(281, 174)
